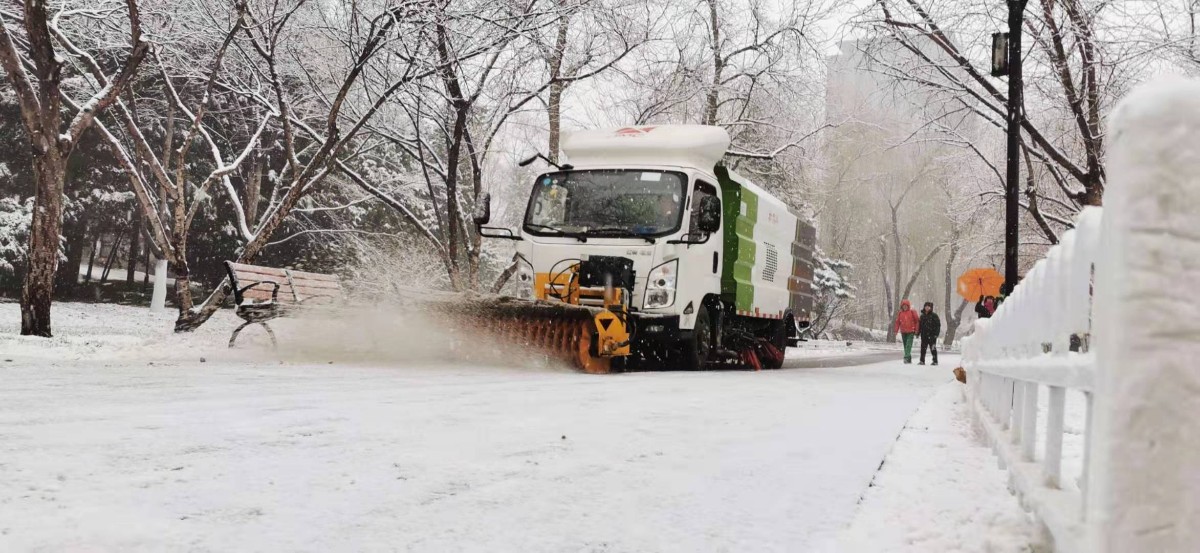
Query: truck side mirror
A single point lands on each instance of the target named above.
(709, 216)
(483, 210)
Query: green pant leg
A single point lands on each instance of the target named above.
(908, 343)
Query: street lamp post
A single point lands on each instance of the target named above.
(1006, 60)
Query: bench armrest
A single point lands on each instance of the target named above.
(274, 291)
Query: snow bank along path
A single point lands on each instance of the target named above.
(120, 455)
(939, 491)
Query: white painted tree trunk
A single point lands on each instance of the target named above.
(1144, 493)
(158, 301)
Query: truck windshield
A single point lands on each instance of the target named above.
(610, 202)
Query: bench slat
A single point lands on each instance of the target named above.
(266, 282)
(315, 284)
(237, 268)
(258, 294)
(301, 275)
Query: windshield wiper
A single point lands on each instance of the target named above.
(575, 235)
(621, 232)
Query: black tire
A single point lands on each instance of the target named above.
(698, 350)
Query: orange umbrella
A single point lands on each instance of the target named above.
(976, 283)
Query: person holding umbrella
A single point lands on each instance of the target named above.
(981, 286)
(985, 307)
(907, 324)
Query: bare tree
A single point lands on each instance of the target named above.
(589, 38)
(171, 206)
(958, 228)
(449, 127)
(750, 66)
(1071, 77)
(452, 129)
(35, 68)
(269, 40)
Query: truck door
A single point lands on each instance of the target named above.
(707, 256)
(700, 262)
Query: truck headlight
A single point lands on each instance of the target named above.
(660, 285)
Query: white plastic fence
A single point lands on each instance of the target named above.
(1125, 283)
(1024, 347)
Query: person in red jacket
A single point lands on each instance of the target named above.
(907, 324)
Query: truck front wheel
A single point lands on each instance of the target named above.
(698, 349)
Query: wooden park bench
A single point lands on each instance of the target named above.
(265, 293)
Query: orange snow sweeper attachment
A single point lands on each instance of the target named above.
(579, 314)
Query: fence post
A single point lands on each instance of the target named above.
(1144, 493)
(1029, 421)
(1018, 411)
(1052, 463)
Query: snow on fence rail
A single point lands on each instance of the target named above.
(1139, 489)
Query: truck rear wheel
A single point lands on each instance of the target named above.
(698, 349)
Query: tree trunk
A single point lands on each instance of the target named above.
(74, 244)
(554, 98)
(146, 265)
(887, 300)
(183, 291)
(952, 323)
(95, 245)
(459, 107)
(894, 303)
(254, 190)
(951, 320)
(506, 274)
(1094, 192)
(554, 109)
(113, 253)
(37, 292)
(183, 281)
(135, 234)
(713, 97)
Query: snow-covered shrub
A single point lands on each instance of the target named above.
(831, 290)
(15, 216)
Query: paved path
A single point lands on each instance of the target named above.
(830, 362)
(229, 456)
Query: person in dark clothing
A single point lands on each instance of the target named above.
(985, 307)
(931, 328)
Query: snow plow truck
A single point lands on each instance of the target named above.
(643, 250)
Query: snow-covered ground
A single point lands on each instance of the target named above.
(118, 435)
(838, 348)
(118, 274)
(939, 490)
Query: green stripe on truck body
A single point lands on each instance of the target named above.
(786, 286)
(740, 248)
